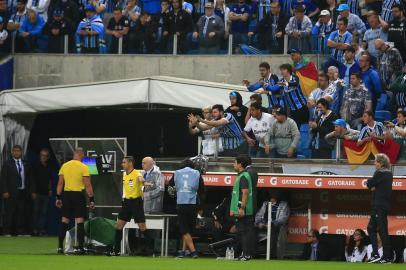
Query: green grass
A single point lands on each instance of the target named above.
(39, 254)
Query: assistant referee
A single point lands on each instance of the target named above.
(74, 178)
(132, 204)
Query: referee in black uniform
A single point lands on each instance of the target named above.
(74, 178)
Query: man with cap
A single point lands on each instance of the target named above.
(284, 136)
(342, 131)
(322, 30)
(16, 19)
(90, 33)
(299, 30)
(209, 31)
(56, 28)
(30, 32)
(355, 24)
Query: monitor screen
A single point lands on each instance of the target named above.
(94, 164)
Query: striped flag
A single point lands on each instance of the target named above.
(308, 76)
(360, 154)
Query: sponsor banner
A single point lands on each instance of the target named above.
(327, 169)
(299, 181)
(337, 224)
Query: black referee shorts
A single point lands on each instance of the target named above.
(74, 204)
(187, 215)
(132, 208)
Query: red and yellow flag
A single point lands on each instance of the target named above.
(359, 154)
(308, 77)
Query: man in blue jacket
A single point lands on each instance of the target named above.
(370, 78)
(349, 66)
(30, 32)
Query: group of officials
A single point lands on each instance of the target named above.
(143, 192)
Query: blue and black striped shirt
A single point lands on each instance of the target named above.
(231, 133)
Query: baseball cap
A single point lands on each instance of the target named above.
(90, 7)
(294, 50)
(58, 13)
(325, 12)
(233, 94)
(209, 5)
(340, 122)
(281, 111)
(343, 7)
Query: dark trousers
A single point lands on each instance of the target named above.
(300, 116)
(378, 223)
(40, 213)
(246, 235)
(274, 241)
(17, 210)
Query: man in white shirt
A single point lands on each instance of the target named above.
(260, 124)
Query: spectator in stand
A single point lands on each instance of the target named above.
(3, 11)
(397, 30)
(339, 87)
(16, 19)
(39, 6)
(152, 7)
(3, 37)
(237, 108)
(223, 11)
(284, 136)
(70, 10)
(239, 16)
(99, 6)
(338, 41)
(210, 31)
(299, 30)
(349, 66)
(355, 24)
(199, 8)
(390, 62)
(311, 8)
(42, 176)
(323, 125)
(387, 6)
(118, 27)
(145, 34)
(331, 6)
(161, 19)
(90, 33)
(371, 79)
(260, 124)
(30, 33)
(266, 80)
(228, 128)
(372, 130)
(256, 98)
(280, 213)
(133, 12)
(188, 7)
(11, 5)
(356, 249)
(322, 30)
(399, 91)
(341, 131)
(56, 28)
(372, 34)
(325, 90)
(356, 100)
(293, 96)
(357, 47)
(314, 249)
(398, 132)
(271, 29)
(179, 23)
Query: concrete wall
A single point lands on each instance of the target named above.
(34, 70)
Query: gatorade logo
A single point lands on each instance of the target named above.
(323, 229)
(273, 181)
(364, 182)
(318, 182)
(324, 214)
(227, 180)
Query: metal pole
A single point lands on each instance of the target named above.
(230, 44)
(309, 217)
(65, 44)
(216, 150)
(175, 44)
(268, 233)
(120, 45)
(199, 145)
(338, 149)
(285, 45)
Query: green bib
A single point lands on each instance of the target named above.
(235, 198)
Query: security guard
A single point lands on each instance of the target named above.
(74, 177)
(132, 205)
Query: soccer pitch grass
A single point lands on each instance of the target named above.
(35, 253)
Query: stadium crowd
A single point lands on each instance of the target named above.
(202, 26)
